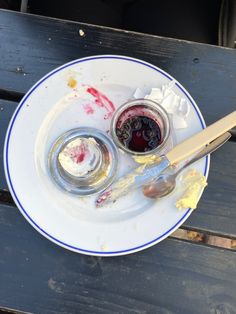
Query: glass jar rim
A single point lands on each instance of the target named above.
(155, 108)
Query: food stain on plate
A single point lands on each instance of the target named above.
(104, 247)
(72, 82)
(97, 98)
(88, 109)
(102, 101)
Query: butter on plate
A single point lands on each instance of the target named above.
(192, 182)
(146, 159)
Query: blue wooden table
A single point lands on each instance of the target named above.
(175, 276)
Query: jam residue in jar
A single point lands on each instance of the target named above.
(139, 134)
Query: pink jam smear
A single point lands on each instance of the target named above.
(102, 101)
(88, 109)
(79, 153)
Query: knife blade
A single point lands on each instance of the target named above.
(136, 178)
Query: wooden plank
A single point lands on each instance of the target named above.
(6, 111)
(172, 277)
(34, 45)
(216, 211)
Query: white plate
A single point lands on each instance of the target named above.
(50, 108)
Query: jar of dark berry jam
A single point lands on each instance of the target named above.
(140, 127)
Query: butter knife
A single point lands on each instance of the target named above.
(146, 173)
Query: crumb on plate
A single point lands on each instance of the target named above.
(72, 82)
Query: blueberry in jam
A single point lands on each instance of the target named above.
(139, 134)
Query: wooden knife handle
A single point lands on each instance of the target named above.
(199, 140)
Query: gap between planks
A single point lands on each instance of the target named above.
(6, 310)
(11, 95)
(204, 238)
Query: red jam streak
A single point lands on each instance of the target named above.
(79, 153)
(139, 134)
(88, 109)
(103, 198)
(102, 101)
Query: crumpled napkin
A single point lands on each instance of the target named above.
(177, 107)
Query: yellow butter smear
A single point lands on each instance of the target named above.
(193, 181)
(123, 184)
(146, 159)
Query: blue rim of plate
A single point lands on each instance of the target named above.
(8, 176)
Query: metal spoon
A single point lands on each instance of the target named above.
(166, 183)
